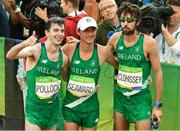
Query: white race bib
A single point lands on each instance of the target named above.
(81, 86)
(129, 77)
(46, 87)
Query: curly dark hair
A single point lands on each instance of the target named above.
(129, 8)
(173, 2)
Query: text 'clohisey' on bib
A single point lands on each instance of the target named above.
(80, 86)
(47, 87)
(129, 77)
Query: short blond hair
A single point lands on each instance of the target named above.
(113, 2)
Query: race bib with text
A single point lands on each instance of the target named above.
(47, 87)
(81, 86)
(129, 77)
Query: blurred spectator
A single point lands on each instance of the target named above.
(4, 24)
(44, 10)
(25, 16)
(170, 36)
(50, 9)
(110, 23)
(137, 2)
(9, 15)
(15, 25)
(16, 19)
(71, 8)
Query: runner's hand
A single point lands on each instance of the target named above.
(156, 113)
(150, 80)
(97, 88)
(71, 40)
(31, 40)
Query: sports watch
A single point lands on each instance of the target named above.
(158, 104)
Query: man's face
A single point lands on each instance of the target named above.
(56, 33)
(128, 24)
(88, 35)
(174, 19)
(64, 7)
(108, 9)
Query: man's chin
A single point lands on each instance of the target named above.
(110, 17)
(128, 32)
(89, 42)
(59, 42)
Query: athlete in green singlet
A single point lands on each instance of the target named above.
(81, 105)
(44, 67)
(136, 53)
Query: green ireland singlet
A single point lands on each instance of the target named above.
(43, 82)
(82, 80)
(134, 68)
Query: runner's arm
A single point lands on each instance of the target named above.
(22, 50)
(155, 61)
(110, 48)
(65, 67)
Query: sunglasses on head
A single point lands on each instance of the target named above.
(128, 19)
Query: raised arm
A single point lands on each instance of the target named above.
(22, 50)
(167, 36)
(173, 43)
(10, 8)
(42, 13)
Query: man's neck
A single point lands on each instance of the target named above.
(114, 22)
(86, 50)
(86, 47)
(130, 40)
(172, 29)
(71, 11)
(51, 47)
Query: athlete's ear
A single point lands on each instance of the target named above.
(138, 22)
(78, 31)
(69, 4)
(46, 32)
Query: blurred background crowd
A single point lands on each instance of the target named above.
(19, 18)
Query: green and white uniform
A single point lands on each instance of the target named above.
(42, 101)
(83, 77)
(132, 96)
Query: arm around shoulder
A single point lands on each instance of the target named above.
(68, 49)
(110, 48)
(65, 66)
(111, 59)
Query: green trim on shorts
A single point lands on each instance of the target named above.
(136, 107)
(44, 116)
(49, 124)
(84, 119)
